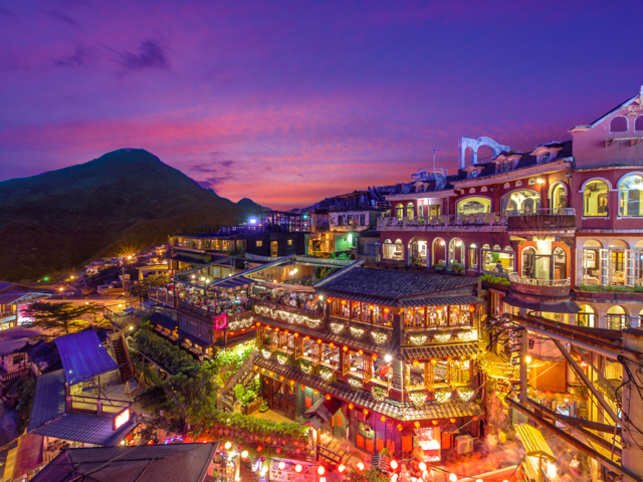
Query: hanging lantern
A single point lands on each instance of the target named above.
(383, 419)
(400, 427)
(351, 406)
(434, 422)
(365, 412)
(452, 420)
(416, 424)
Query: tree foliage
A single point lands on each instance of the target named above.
(60, 317)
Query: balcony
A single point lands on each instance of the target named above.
(477, 222)
(541, 219)
(555, 288)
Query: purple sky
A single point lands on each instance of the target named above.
(288, 102)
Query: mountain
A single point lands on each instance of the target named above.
(124, 200)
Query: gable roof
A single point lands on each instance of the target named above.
(146, 463)
(83, 356)
(611, 111)
(396, 287)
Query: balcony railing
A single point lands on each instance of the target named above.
(448, 220)
(515, 278)
(542, 218)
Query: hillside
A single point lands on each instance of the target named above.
(125, 199)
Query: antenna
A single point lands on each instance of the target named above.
(435, 155)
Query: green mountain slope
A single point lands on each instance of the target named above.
(123, 200)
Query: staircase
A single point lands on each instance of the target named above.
(121, 353)
(243, 376)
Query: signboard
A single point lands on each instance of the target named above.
(427, 439)
(121, 419)
(221, 321)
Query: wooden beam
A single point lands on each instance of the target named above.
(581, 374)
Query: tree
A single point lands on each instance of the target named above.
(59, 317)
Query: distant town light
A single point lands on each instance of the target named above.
(227, 445)
(388, 358)
(341, 468)
(360, 466)
(298, 468)
(453, 478)
(281, 465)
(252, 220)
(528, 359)
(540, 180)
(321, 470)
(244, 454)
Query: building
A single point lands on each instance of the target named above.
(148, 463)
(14, 299)
(557, 233)
(83, 404)
(344, 226)
(384, 358)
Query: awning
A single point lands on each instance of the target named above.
(565, 306)
(533, 441)
(441, 352)
(232, 282)
(443, 300)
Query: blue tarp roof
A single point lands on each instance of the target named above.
(83, 356)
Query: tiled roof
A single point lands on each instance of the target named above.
(146, 463)
(324, 335)
(83, 356)
(49, 399)
(440, 351)
(394, 287)
(398, 411)
(444, 300)
(86, 428)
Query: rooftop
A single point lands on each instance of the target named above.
(178, 463)
(400, 288)
(83, 356)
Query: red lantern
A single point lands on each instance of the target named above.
(400, 427)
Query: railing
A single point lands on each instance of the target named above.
(543, 212)
(515, 278)
(482, 219)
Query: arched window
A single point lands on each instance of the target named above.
(586, 316)
(388, 248)
(438, 251)
(520, 202)
(638, 125)
(559, 263)
(417, 252)
(558, 198)
(592, 268)
(473, 256)
(595, 198)
(456, 251)
(410, 211)
(630, 195)
(618, 124)
(399, 250)
(473, 205)
(399, 211)
(617, 318)
(528, 262)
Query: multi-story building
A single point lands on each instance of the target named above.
(560, 228)
(383, 358)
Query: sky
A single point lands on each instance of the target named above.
(290, 102)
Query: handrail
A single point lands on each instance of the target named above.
(544, 212)
(515, 278)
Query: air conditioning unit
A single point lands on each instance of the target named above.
(464, 444)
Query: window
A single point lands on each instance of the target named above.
(399, 211)
(473, 256)
(618, 124)
(258, 243)
(362, 220)
(473, 206)
(520, 202)
(528, 262)
(586, 316)
(617, 318)
(638, 125)
(630, 195)
(595, 198)
(410, 211)
(456, 251)
(438, 248)
(392, 250)
(558, 197)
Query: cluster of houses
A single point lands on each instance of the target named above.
(427, 319)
